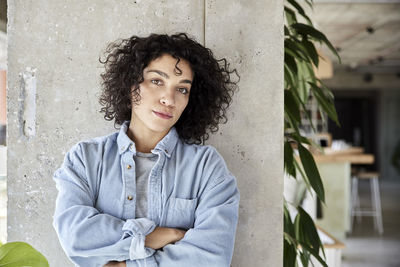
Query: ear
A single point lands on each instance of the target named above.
(135, 95)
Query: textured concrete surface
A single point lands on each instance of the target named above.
(3, 210)
(249, 34)
(3, 50)
(63, 43)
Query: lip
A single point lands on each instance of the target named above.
(162, 115)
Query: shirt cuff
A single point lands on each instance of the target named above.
(138, 229)
(147, 262)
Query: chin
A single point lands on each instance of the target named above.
(160, 129)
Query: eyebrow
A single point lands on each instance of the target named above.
(161, 73)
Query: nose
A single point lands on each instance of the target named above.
(168, 98)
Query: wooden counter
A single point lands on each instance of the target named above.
(353, 155)
(352, 158)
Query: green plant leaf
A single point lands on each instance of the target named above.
(309, 71)
(302, 104)
(326, 90)
(289, 79)
(316, 255)
(295, 49)
(286, 31)
(288, 157)
(288, 226)
(17, 254)
(300, 10)
(312, 52)
(308, 232)
(293, 124)
(291, 105)
(301, 139)
(307, 30)
(307, 235)
(290, 16)
(289, 250)
(305, 178)
(290, 243)
(305, 74)
(325, 102)
(310, 3)
(289, 60)
(311, 171)
(304, 257)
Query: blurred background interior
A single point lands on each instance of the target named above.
(360, 163)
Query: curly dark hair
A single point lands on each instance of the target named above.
(210, 95)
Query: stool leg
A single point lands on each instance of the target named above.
(358, 205)
(354, 197)
(377, 206)
(373, 202)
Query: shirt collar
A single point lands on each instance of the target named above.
(166, 145)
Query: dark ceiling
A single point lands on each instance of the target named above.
(366, 33)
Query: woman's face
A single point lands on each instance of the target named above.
(164, 94)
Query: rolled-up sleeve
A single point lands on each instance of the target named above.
(88, 237)
(211, 241)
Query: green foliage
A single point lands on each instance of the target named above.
(301, 238)
(312, 176)
(17, 254)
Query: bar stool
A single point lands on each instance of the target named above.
(376, 210)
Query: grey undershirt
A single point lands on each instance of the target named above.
(144, 162)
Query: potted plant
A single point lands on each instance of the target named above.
(301, 240)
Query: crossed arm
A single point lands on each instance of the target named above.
(160, 237)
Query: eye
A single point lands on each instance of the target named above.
(183, 90)
(156, 81)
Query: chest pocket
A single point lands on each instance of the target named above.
(180, 213)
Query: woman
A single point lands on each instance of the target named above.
(150, 194)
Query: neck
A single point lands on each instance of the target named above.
(144, 140)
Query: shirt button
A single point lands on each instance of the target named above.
(130, 197)
(166, 151)
(131, 147)
(128, 166)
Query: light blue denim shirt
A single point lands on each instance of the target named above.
(189, 188)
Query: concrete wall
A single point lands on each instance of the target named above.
(60, 48)
(249, 34)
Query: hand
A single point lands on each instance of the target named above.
(115, 264)
(162, 236)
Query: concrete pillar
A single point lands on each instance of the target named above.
(3, 75)
(57, 55)
(250, 35)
